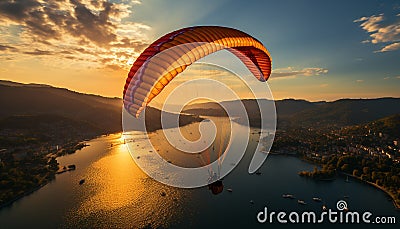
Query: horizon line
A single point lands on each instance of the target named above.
(19, 84)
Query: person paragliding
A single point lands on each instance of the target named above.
(216, 187)
(171, 54)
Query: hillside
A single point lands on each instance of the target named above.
(31, 103)
(348, 111)
(300, 112)
(388, 126)
(102, 113)
(24, 130)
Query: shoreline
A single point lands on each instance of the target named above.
(34, 189)
(30, 191)
(11, 202)
(396, 205)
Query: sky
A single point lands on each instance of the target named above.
(321, 50)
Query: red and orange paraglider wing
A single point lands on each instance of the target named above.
(173, 53)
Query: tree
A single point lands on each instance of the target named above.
(363, 177)
(374, 176)
(356, 172)
(345, 168)
(395, 179)
(315, 169)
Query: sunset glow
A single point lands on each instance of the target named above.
(89, 46)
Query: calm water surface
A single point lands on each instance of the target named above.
(116, 193)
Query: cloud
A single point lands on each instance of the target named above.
(324, 85)
(370, 24)
(17, 10)
(390, 47)
(386, 78)
(380, 32)
(73, 30)
(361, 19)
(290, 72)
(40, 52)
(7, 48)
(359, 81)
(397, 77)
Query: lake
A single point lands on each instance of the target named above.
(116, 193)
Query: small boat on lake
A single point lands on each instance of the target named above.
(81, 181)
(289, 196)
(302, 202)
(317, 199)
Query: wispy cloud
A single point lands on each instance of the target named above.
(7, 48)
(72, 30)
(39, 52)
(291, 72)
(381, 32)
(359, 81)
(390, 47)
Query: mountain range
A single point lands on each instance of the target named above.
(37, 106)
(39, 103)
(293, 112)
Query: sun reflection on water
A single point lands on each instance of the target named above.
(116, 190)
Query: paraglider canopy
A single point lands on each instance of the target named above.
(174, 52)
